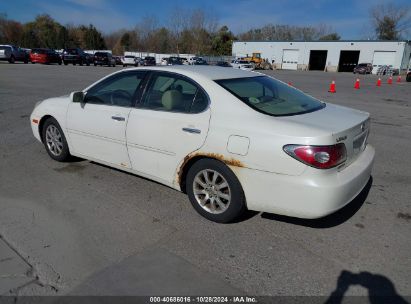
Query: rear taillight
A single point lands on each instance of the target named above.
(320, 157)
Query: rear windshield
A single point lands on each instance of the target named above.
(270, 96)
(39, 51)
(129, 56)
(72, 51)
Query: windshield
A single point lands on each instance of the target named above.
(271, 96)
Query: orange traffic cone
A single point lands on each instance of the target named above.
(389, 80)
(332, 87)
(399, 78)
(357, 84)
(379, 82)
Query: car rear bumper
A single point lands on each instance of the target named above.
(308, 195)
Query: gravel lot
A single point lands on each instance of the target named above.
(83, 228)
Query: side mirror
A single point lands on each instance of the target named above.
(78, 97)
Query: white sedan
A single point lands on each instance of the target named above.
(231, 139)
(242, 65)
(129, 60)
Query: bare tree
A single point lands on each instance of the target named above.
(390, 21)
(271, 32)
(178, 23)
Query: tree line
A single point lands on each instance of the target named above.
(194, 31)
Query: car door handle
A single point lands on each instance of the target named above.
(118, 118)
(191, 130)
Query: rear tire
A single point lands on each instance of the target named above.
(55, 141)
(214, 191)
(12, 59)
(65, 62)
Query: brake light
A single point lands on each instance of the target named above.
(320, 157)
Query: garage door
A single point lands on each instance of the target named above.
(290, 59)
(382, 58)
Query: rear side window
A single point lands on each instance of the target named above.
(173, 93)
(270, 96)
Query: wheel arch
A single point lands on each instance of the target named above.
(191, 159)
(41, 124)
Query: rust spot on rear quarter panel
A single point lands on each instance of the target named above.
(228, 161)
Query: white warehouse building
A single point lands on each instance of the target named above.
(332, 56)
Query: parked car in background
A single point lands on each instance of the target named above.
(363, 68)
(232, 140)
(408, 77)
(224, 64)
(139, 61)
(174, 61)
(200, 61)
(45, 56)
(129, 60)
(192, 60)
(149, 61)
(76, 56)
(242, 65)
(118, 59)
(104, 58)
(13, 53)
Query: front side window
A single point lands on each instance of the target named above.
(173, 93)
(118, 90)
(271, 96)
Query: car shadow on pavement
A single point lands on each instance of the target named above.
(331, 220)
(380, 288)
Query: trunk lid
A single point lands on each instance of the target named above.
(346, 125)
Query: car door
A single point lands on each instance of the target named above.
(97, 126)
(170, 122)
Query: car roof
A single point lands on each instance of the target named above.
(210, 72)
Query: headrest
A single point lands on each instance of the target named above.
(171, 99)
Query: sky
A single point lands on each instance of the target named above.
(350, 18)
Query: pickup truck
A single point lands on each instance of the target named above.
(13, 53)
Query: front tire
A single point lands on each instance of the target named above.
(214, 191)
(55, 141)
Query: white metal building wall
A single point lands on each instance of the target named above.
(274, 50)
